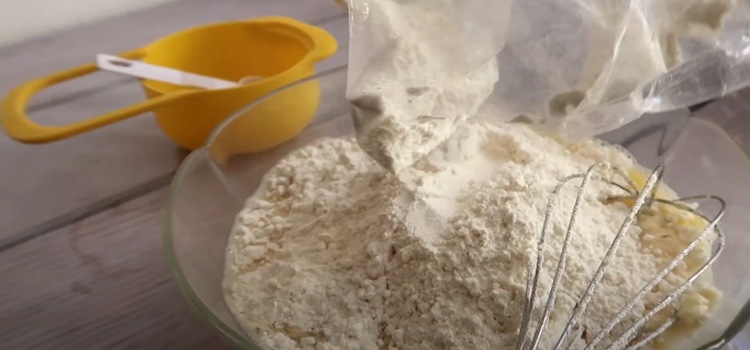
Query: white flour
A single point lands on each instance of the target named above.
(333, 252)
(414, 91)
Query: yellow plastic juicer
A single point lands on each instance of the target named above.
(281, 50)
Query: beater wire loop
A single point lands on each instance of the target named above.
(632, 338)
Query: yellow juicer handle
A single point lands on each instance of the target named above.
(18, 126)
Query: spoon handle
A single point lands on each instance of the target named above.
(163, 74)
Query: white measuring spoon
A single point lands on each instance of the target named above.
(167, 75)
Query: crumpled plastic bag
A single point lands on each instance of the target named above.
(578, 67)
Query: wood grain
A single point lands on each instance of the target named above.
(39, 183)
(101, 283)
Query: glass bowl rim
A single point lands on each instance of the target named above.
(167, 230)
(734, 328)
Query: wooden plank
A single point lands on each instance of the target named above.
(75, 46)
(41, 182)
(101, 283)
(42, 16)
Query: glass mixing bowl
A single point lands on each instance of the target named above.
(213, 182)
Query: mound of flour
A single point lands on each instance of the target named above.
(334, 252)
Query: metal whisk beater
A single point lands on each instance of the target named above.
(632, 338)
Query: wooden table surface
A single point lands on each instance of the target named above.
(81, 261)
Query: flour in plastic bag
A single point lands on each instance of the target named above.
(579, 67)
(418, 69)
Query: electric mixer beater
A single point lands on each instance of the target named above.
(634, 337)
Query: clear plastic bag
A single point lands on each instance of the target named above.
(581, 67)
(417, 68)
